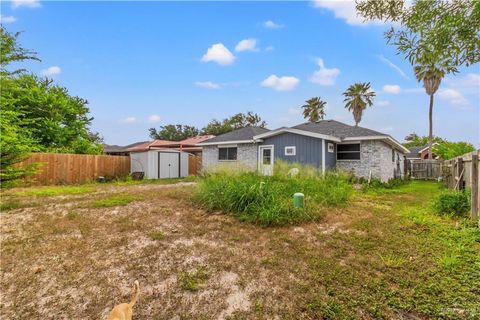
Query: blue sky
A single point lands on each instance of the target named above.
(146, 64)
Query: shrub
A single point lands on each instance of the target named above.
(452, 203)
(267, 200)
(377, 185)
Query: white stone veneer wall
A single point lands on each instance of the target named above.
(247, 157)
(375, 156)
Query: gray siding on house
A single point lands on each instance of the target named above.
(308, 149)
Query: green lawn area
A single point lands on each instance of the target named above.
(384, 254)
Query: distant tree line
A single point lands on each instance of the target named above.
(443, 148)
(177, 132)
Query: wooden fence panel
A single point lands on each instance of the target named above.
(194, 164)
(58, 168)
(463, 172)
(426, 169)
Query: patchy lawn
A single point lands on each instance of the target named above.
(385, 255)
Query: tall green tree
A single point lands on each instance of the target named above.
(358, 97)
(448, 150)
(174, 132)
(237, 121)
(56, 121)
(314, 109)
(12, 51)
(436, 37)
(414, 140)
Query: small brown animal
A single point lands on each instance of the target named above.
(124, 311)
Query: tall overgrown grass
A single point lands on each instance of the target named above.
(267, 200)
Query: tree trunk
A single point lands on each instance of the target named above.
(430, 129)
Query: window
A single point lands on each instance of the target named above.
(331, 148)
(227, 154)
(348, 151)
(267, 156)
(290, 151)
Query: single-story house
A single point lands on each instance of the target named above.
(326, 144)
(420, 153)
(116, 150)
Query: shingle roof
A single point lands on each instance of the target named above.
(241, 134)
(337, 129)
(415, 151)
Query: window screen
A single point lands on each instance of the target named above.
(348, 151)
(227, 153)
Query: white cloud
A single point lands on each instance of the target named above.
(26, 3)
(393, 66)
(324, 76)
(468, 84)
(270, 48)
(247, 45)
(272, 25)
(453, 96)
(383, 103)
(391, 88)
(343, 9)
(51, 71)
(284, 83)
(154, 118)
(7, 19)
(129, 120)
(208, 85)
(220, 54)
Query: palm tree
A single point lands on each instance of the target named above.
(431, 76)
(358, 97)
(314, 109)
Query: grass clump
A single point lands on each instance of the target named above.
(192, 281)
(268, 200)
(56, 191)
(113, 201)
(377, 185)
(156, 235)
(452, 203)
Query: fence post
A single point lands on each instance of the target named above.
(474, 181)
(460, 173)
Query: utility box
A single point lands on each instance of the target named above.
(160, 163)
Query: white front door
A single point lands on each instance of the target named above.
(266, 160)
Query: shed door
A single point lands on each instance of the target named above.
(169, 165)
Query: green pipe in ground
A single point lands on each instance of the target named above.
(298, 200)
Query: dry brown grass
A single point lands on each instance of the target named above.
(67, 258)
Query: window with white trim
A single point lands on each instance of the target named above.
(227, 154)
(349, 151)
(331, 147)
(290, 151)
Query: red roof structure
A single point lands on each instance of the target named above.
(189, 144)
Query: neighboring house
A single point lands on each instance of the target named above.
(116, 150)
(189, 145)
(326, 144)
(420, 153)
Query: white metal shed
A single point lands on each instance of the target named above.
(160, 163)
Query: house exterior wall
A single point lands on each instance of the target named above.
(375, 156)
(247, 157)
(308, 149)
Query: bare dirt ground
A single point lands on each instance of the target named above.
(67, 257)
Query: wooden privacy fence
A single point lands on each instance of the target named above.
(194, 164)
(425, 169)
(462, 172)
(59, 168)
